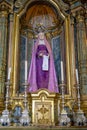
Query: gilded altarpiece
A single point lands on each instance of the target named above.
(57, 35)
(61, 30)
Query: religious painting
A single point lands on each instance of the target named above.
(57, 56)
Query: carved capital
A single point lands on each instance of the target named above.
(72, 18)
(18, 3)
(5, 7)
(80, 15)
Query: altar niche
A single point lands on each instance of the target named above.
(57, 32)
(56, 50)
(55, 37)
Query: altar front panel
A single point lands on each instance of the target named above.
(43, 112)
(43, 108)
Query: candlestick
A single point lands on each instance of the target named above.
(77, 79)
(64, 120)
(25, 118)
(62, 76)
(9, 71)
(5, 118)
(25, 70)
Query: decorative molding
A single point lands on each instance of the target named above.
(5, 6)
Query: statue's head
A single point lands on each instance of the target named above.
(41, 35)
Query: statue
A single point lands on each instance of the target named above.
(42, 70)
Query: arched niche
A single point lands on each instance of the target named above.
(58, 31)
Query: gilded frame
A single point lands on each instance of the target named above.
(69, 48)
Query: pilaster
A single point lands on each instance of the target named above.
(82, 49)
(4, 11)
(3, 45)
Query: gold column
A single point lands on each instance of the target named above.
(72, 53)
(15, 53)
(67, 40)
(10, 50)
(82, 50)
(10, 39)
(3, 45)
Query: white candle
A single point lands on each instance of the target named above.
(26, 50)
(9, 71)
(62, 76)
(25, 69)
(77, 79)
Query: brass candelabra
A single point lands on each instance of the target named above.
(25, 119)
(5, 119)
(64, 120)
(80, 119)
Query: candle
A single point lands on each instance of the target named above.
(77, 79)
(9, 71)
(25, 69)
(62, 76)
(26, 50)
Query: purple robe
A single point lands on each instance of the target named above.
(42, 77)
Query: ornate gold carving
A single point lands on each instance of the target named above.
(43, 110)
(43, 101)
(70, 104)
(63, 5)
(43, 98)
(5, 6)
(80, 15)
(16, 43)
(18, 3)
(17, 101)
(16, 40)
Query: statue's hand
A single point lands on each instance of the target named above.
(41, 54)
